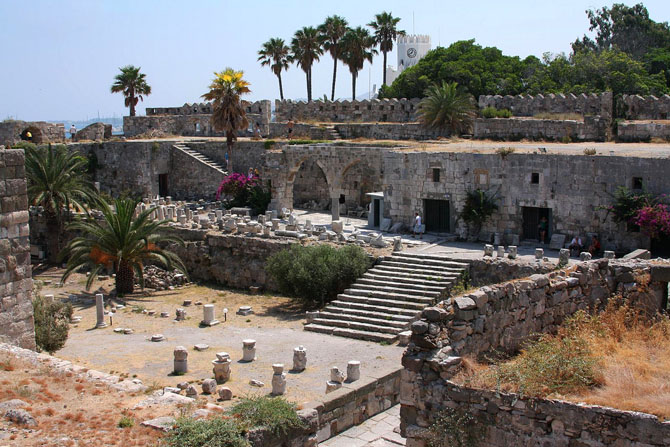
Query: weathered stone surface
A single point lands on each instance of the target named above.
(163, 423)
(20, 417)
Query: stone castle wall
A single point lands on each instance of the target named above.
(192, 120)
(16, 284)
(501, 317)
(389, 131)
(529, 105)
(574, 187)
(635, 131)
(375, 110)
(515, 129)
(647, 107)
(42, 132)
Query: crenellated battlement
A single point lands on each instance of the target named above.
(531, 105)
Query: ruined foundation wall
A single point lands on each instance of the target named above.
(43, 132)
(502, 317)
(16, 310)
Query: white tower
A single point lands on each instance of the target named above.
(410, 50)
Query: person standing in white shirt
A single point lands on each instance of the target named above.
(418, 227)
(73, 132)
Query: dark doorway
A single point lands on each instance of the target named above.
(437, 216)
(660, 247)
(163, 185)
(377, 210)
(532, 217)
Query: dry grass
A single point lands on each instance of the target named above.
(629, 353)
(559, 116)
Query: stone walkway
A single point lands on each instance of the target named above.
(381, 430)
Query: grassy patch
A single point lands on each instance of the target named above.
(126, 422)
(215, 432)
(274, 414)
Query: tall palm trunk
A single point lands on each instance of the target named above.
(332, 95)
(229, 144)
(54, 228)
(384, 82)
(125, 278)
(281, 88)
(353, 86)
(132, 102)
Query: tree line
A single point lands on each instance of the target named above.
(630, 53)
(351, 46)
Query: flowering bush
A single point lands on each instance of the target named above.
(236, 186)
(240, 190)
(654, 220)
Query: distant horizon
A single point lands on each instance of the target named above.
(64, 55)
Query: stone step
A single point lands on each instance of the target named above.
(371, 280)
(429, 263)
(386, 292)
(360, 308)
(352, 333)
(415, 305)
(366, 315)
(429, 257)
(349, 324)
(430, 275)
(394, 278)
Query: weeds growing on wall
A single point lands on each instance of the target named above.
(52, 323)
(455, 428)
(315, 274)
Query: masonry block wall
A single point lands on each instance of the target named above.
(647, 107)
(374, 110)
(501, 317)
(42, 132)
(529, 105)
(576, 188)
(16, 284)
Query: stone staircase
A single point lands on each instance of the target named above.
(388, 297)
(333, 133)
(202, 158)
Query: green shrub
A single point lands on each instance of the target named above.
(26, 145)
(269, 144)
(215, 432)
(317, 273)
(455, 428)
(126, 422)
(504, 151)
(274, 414)
(259, 198)
(492, 112)
(479, 206)
(590, 151)
(52, 322)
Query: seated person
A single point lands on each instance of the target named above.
(576, 245)
(595, 245)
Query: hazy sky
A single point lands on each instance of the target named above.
(60, 56)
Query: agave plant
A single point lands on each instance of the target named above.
(120, 242)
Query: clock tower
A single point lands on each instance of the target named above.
(411, 48)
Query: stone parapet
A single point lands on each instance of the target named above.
(531, 105)
(374, 110)
(647, 107)
(635, 131)
(515, 129)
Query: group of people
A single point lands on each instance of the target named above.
(577, 246)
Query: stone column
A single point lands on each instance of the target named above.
(353, 371)
(299, 358)
(335, 207)
(208, 316)
(248, 350)
(512, 252)
(221, 369)
(100, 310)
(539, 253)
(180, 360)
(278, 379)
(501, 251)
(564, 256)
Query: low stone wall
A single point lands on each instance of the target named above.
(502, 317)
(485, 271)
(190, 179)
(300, 130)
(633, 131)
(229, 260)
(374, 110)
(514, 129)
(356, 402)
(389, 131)
(16, 285)
(42, 132)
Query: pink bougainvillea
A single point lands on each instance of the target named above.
(235, 185)
(654, 220)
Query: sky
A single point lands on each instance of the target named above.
(60, 56)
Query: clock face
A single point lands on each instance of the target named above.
(411, 52)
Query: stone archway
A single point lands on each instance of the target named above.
(32, 134)
(309, 186)
(357, 180)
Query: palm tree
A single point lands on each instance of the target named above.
(228, 113)
(306, 50)
(275, 54)
(330, 33)
(132, 84)
(56, 179)
(385, 32)
(121, 242)
(447, 107)
(357, 47)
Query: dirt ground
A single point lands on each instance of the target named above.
(276, 325)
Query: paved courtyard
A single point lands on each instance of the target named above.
(381, 430)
